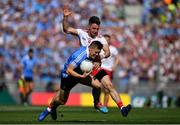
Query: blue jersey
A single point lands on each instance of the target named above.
(28, 66)
(75, 59)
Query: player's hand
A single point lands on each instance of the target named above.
(85, 74)
(66, 11)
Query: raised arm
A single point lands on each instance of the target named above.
(66, 27)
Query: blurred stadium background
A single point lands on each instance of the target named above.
(146, 33)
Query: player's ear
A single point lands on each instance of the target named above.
(88, 27)
(90, 50)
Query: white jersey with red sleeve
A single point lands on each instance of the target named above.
(85, 39)
(107, 63)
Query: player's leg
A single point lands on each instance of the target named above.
(29, 89)
(96, 85)
(60, 98)
(96, 92)
(28, 85)
(106, 98)
(96, 97)
(100, 107)
(22, 91)
(106, 93)
(106, 82)
(26, 88)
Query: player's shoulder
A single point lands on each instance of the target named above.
(113, 49)
(79, 53)
(25, 57)
(101, 39)
(82, 30)
(100, 36)
(80, 50)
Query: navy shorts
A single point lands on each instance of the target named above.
(68, 83)
(28, 79)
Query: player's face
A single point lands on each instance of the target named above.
(93, 30)
(93, 53)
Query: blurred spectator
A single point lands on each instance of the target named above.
(50, 87)
(150, 51)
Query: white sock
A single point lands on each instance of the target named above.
(49, 109)
(122, 107)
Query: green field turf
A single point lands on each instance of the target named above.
(88, 115)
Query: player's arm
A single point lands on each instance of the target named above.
(116, 62)
(66, 27)
(70, 71)
(21, 67)
(106, 51)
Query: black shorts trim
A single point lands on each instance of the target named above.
(100, 74)
(68, 83)
(28, 79)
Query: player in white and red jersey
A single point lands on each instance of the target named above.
(89, 35)
(86, 37)
(110, 64)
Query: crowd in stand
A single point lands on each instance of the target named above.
(148, 51)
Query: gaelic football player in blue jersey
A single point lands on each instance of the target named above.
(25, 83)
(71, 75)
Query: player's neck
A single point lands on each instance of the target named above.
(91, 35)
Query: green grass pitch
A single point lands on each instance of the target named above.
(88, 115)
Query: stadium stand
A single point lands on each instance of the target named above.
(149, 47)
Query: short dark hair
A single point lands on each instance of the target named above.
(96, 44)
(30, 50)
(94, 19)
